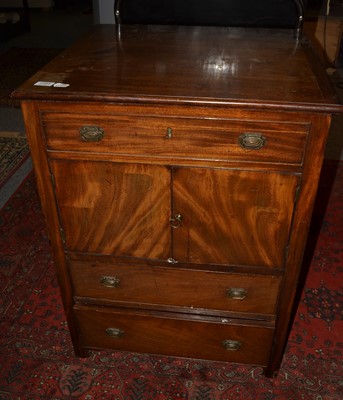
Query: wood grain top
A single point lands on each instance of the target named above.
(258, 68)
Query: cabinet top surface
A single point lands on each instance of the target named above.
(187, 65)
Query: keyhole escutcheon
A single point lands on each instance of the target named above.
(176, 221)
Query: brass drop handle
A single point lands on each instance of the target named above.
(231, 345)
(176, 221)
(169, 133)
(237, 293)
(91, 133)
(110, 281)
(251, 141)
(114, 332)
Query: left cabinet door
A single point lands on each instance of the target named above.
(113, 208)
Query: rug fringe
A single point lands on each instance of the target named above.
(10, 134)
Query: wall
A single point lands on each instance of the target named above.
(32, 3)
(103, 11)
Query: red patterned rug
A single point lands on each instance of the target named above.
(36, 356)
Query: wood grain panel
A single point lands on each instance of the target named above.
(233, 217)
(114, 208)
(175, 336)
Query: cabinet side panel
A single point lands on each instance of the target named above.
(302, 220)
(45, 189)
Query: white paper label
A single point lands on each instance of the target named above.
(62, 85)
(54, 84)
(44, 83)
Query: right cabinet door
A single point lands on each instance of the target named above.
(232, 217)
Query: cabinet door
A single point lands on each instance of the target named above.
(109, 208)
(232, 217)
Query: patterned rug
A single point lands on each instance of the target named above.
(14, 150)
(36, 356)
(16, 66)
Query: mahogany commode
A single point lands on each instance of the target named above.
(177, 169)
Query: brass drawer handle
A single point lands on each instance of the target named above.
(114, 332)
(110, 281)
(251, 141)
(231, 345)
(176, 221)
(237, 293)
(91, 133)
(169, 133)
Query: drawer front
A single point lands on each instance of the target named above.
(173, 336)
(176, 287)
(181, 138)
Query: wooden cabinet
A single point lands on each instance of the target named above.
(178, 213)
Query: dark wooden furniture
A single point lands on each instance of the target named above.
(177, 169)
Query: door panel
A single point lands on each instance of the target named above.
(109, 208)
(232, 217)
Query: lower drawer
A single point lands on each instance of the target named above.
(174, 335)
(175, 287)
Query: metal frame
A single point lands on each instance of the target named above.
(301, 8)
(298, 28)
(117, 4)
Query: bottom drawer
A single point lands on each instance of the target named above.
(217, 339)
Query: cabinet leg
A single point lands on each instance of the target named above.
(271, 372)
(81, 352)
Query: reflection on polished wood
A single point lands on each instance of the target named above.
(186, 64)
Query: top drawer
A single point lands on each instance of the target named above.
(177, 137)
